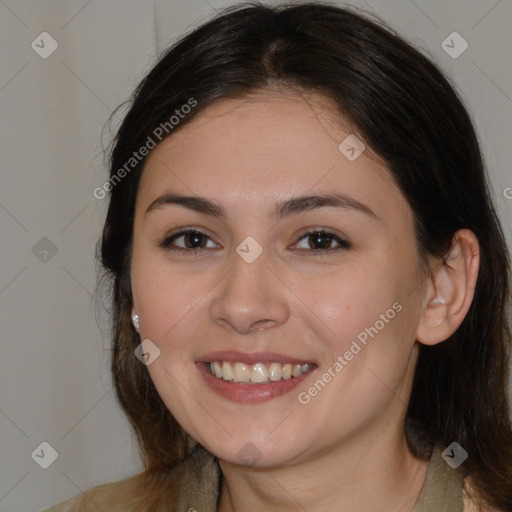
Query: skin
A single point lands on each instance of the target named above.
(249, 154)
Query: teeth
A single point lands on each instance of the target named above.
(287, 371)
(227, 371)
(275, 371)
(217, 369)
(242, 372)
(257, 373)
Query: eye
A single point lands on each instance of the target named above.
(190, 241)
(187, 241)
(321, 241)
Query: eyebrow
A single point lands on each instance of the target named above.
(284, 209)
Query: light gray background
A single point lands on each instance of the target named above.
(54, 368)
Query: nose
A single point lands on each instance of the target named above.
(250, 298)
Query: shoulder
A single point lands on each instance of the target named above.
(195, 477)
(114, 497)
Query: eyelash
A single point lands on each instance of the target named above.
(166, 243)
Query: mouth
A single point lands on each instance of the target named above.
(252, 377)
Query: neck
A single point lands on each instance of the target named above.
(357, 476)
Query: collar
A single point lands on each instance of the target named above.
(442, 490)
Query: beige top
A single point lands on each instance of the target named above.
(442, 490)
(196, 484)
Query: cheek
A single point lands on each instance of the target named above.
(366, 321)
(350, 303)
(167, 301)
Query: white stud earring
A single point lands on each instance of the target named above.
(135, 321)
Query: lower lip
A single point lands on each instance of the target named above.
(242, 392)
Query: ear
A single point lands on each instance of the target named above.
(450, 290)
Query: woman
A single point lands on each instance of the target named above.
(310, 283)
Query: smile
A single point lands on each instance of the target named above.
(252, 377)
(257, 373)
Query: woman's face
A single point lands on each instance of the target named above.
(296, 278)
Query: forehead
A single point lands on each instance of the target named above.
(267, 146)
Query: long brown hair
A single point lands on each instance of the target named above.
(410, 115)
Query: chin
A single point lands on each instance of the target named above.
(255, 451)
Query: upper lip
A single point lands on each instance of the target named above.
(232, 356)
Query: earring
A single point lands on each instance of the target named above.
(135, 321)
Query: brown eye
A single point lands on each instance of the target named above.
(321, 241)
(190, 240)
